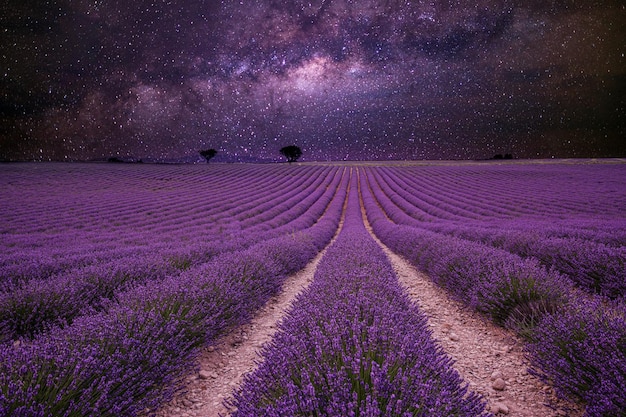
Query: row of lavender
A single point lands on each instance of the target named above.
(576, 341)
(514, 190)
(566, 200)
(594, 259)
(126, 344)
(129, 357)
(57, 299)
(93, 214)
(353, 344)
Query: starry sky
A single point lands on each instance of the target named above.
(159, 80)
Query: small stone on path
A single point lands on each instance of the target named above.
(499, 384)
(207, 375)
(499, 408)
(495, 375)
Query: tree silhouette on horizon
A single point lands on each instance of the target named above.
(208, 154)
(291, 152)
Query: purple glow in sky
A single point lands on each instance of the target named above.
(341, 79)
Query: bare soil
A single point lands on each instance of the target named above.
(224, 364)
(489, 358)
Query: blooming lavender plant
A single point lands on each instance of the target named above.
(354, 345)
(130, 357)
(582, 350)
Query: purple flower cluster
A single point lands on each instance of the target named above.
(582, 351)
(130, 356)
(105, 365)
(353, 344)
(39, 303)
(593, 265)
(576, 344)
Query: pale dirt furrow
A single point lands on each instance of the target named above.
(489, 358)
(224, 364)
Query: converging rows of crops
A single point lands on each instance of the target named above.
(114, 277)
(540, 249)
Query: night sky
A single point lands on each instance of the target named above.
(342, 79)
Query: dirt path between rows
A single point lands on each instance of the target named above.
(489, 358)
(224, 364)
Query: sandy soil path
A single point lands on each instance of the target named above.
(489, 358)
(223, 365)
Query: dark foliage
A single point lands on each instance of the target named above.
(291, 152)
(208, 154)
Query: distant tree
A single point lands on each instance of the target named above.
(291, 152)
(115, 160)
(208, 154)
(508, 156)
(498, 156)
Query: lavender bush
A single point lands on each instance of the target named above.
(582, 351)
(129, 358)
(106, 365)
(354, 345)
(593, 266)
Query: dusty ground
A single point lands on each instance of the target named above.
(224, 364)
(488, 357)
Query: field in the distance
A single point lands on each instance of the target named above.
(114, 276)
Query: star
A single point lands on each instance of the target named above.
(437, 80)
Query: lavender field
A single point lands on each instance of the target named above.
(113, 277)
